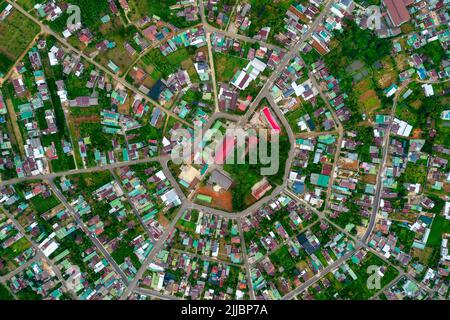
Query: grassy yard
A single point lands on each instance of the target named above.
(43, 205)
(5, 294)
(415, 174)
(282, 258)
(438, 228)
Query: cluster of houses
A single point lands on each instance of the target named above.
(40, 280)
(218, 13)
(190, 277)
(223, 44)
(193, 37)
(427, 19)
(242, 21)
(293, 86)
(10, 237)
(268, 238)
(210, 236)
(272, 235)
(330, 85)
(186, 9)
(347, 273)
(298, 16)
(352, 168)
(312, 168)
(166, 90)
(295, 23)
(232, 96)
(145, 202)
(86, 272)
(37, 100)
(406, 289)
(6, 149)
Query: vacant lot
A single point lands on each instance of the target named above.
(161, 66)
(387, 75)
(16, 33)
(268, 13)
(367, 97)
(221, 200)
(161, 8)
(116, 32)
(227, 66)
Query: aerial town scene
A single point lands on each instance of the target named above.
(120, 180)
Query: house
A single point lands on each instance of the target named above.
(261, 188)
(271, 120)
(3, 109)
(428, 88)
(227, 98)
(83, 102)
(243, 78)
(19, 87)
(188, 175)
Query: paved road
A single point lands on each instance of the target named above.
(265, 91)
(381, 171)
(40, 253)
(54, 175)
(340, 137)
(84, 228)
(157, 294)
(251, 290)
(316, 277)
(158, 245)
(114, 76)
(213, 72)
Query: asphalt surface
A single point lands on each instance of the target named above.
(133, 285)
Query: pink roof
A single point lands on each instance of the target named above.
(252, 141)
(271, 120)
(397, 11)
(224, 149)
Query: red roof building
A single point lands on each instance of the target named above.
(270, 119)
(397, 11)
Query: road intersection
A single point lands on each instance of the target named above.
(132, 286)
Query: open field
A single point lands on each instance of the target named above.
(159, 66)
(368, 100)
(16, 33)
(227, 66)
(438, 228)
(221, 200)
